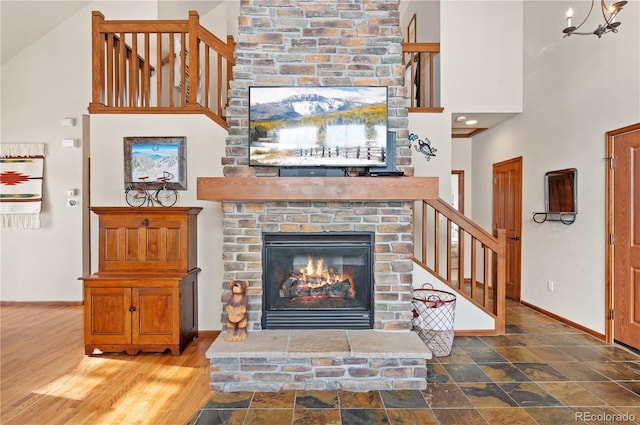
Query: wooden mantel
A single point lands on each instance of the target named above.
(316, 188)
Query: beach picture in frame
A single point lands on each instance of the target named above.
(152, 157)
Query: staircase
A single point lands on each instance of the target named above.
(463, 256)
(179, 67)
(160, 67)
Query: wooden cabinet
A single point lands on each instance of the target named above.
(147, 239)
(144, 296)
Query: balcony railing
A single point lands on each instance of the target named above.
(160, 66)
(422, 76)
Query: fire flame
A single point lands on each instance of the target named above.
(316, 273)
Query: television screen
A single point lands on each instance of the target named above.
(318, 126)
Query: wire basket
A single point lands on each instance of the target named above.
(433, 316)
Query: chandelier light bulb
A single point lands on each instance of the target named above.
(569, 15)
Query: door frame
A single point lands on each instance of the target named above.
(519, 162)
(460, 176)
(609, 228)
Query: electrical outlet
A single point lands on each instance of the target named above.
(550, 285)
(72, 202)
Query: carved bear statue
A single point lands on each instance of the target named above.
(236, 309)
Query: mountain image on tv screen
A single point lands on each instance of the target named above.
(318, 126)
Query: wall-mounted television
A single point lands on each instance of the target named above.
(316, 126)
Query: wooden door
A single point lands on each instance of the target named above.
(507, 214)
(626, 239)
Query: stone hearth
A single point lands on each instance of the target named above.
(353, 360)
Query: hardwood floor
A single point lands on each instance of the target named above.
(47, 379)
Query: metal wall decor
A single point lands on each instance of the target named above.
(423, 146)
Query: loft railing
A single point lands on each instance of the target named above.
(148, 67)
(422, 76)
(464, 256)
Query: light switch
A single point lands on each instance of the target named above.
(69, 143)
(68, 122)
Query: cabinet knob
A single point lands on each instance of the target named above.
(132, 308)
(145, 222)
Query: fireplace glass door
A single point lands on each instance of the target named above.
(317, 280)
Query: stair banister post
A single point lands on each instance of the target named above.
(194, 53)
(499, 293)
(97, 63)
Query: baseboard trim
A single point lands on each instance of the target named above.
(565, 321)
(475, 332)
(208, 334)
(41, 303)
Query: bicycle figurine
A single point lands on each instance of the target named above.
(164, 195)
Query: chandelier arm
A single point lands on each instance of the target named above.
(603, 7)
(586, 17)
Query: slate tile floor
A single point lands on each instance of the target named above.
(540, 372)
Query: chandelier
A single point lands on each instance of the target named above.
(609, 14)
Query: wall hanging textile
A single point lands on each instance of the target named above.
(21, 171)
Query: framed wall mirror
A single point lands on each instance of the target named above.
(561, 191)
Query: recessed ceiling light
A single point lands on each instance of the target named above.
(461, 118)
(471, 122)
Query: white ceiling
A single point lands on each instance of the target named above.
(485, 120)
(22, 22)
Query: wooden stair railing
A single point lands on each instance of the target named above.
(421, 76)
(146, 66)
(464, 256)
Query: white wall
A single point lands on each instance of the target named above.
(576, 90)
(50, 80)
(205, 148)
(481, 55)
(427, 19)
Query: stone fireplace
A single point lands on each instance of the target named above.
(291, 43)
(389, 223)
(296, 43)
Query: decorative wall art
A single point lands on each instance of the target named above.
(21, 174)
(412, 34)
(423, 146)
(150, 157)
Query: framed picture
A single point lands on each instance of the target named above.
(155, 157)
(411, 30)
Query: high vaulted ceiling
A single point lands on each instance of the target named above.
(22, 22)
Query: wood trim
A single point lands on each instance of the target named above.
(473, 132)
(609, 226)
(565, 321)
(433, 109)
(40, 303)
(209, 334)
(316, 188)
(477, 332)
(460, 174)
(421, 47)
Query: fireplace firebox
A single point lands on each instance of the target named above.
(317, 280)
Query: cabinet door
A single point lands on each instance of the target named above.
(156, 318)
(166, 245)
(137, 243)
(107, 316)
